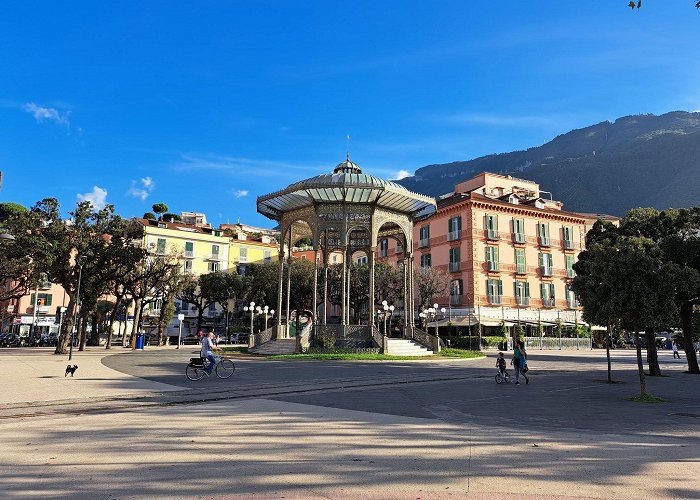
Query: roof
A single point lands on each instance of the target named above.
(461, 197)
(346, 184)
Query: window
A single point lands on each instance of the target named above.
(456, 288)
(518, 230)
(491, 258)
(213, 267)
(424, 236)
(491, 224)
(425, 260)
(362, 260)
(546, 264)
(335, 259)
(520, 261)
(571, 299)
(184, 306)
(188, 266)
(267, 256)
(522, 293)
(243, 254)
(215, 250)
(494, 289)
(454, 226)
(570, 266)
(160, 246)
(547, 290)
(543, 233)
(567, 241)
(44, 299)
(189, 249)
(399, 248)
(454, 259)
(212, 307)
(384, 248)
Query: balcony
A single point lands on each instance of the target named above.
(491, 266)
(570, 273)
(545, 271)
(455, 300)
(189, 254)
(214, 256)
(573, 304)
(423, 243)
(453, 235)
(522, 301)
(568, 244)
(548, 301)
(495, 299)
(518, 238)
(454, 267)
(545, 241)
(242, 259)
(492, 234)
(520, 270)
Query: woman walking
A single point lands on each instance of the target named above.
(519, 362)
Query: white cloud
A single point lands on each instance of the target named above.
(402, 174)
(247, 166)
(97, 197)
(42, 114)
(240, 193)
(141, 189)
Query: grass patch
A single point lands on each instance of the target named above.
(646, 399)
(460, 353)
(347, 356)
(235, 350)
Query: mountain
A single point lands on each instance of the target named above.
(637, 161)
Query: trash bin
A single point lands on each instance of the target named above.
(139, 340)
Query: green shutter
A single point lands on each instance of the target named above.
(48, 299)
(543, 291)
(500, 288)
(527, 289)
(449, 225)
(189, 246)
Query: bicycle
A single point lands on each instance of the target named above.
(197, 368)
(502, 378)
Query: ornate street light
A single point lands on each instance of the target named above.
(250, 308)
(268, 314)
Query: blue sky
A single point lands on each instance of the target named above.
(206, 105)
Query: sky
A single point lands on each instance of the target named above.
(207, 105)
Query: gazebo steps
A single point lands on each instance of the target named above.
(279, 346)
(403, 347)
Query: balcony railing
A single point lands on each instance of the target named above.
(455, 300)
(189, 254)
(214, 256)
(495, 299)
(492, 234)
(570, 273)
(243, 259)
(568, 244)
(548, 301)
(518, 238)
(545, 271)
(453, 235)
(522, 301)
(520, 270)
(454, 267)
(424, 243)
(545, 241)
(491, 265)
(573, 304)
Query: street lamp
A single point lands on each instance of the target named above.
(180, 317)
(391, 314)
(268, 314)
(250, 308)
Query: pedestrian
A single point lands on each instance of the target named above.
(674, 346)
(519, 362)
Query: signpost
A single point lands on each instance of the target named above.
(180, 317)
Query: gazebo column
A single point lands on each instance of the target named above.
(347, 309)
(315, 295)
(371, 286)
(405, 296)
(279, 291)
(343, 297)
(411, 314)
(289, 280)
(325, 286)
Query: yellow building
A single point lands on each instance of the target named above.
(250, 245)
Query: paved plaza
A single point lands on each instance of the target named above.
(130, 425)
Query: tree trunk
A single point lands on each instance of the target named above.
(66, 326)
(135, 325)
(83, 332)
(640, 366)
(687, 325)
(95, 334)
(652, 354)
(110, 323)
(608, 342)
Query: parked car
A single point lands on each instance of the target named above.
(15, 340)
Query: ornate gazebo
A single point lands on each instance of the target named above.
(345, 211)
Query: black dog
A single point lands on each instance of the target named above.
(70, 369)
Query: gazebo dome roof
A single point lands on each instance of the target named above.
(347, 184)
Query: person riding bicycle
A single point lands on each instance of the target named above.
(207, 351)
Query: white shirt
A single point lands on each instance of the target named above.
(207, 346)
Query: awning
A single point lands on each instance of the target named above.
(494, 322)
(459, 321)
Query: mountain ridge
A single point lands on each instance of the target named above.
(609, 167)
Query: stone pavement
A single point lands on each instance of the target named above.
(324, 447)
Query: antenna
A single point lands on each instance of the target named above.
(347, 153)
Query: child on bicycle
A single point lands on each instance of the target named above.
(501, 364)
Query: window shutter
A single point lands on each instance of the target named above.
(527, 289)
(500, 287)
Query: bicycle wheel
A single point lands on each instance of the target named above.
(498, 378)
(507, 378)
(225, 368)
(194, 372)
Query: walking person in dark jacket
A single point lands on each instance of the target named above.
(519, 362)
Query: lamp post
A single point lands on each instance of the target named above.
(385, 307)
(250, 308)
(268, 314)
(391, 314)
(75, 313)
(180, 317)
